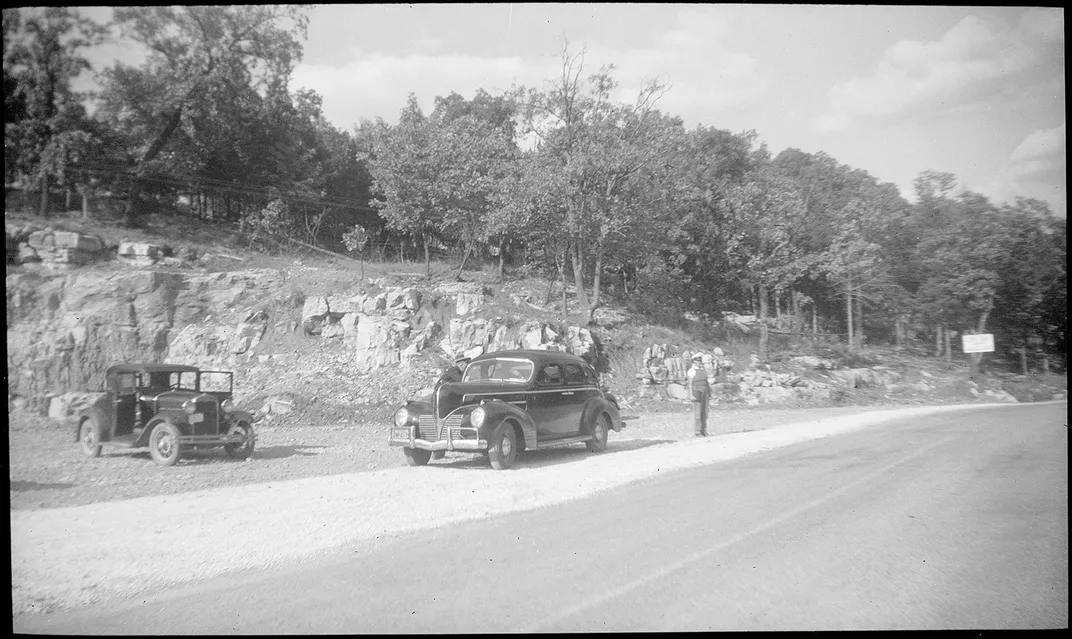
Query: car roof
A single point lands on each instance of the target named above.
(152, 368)
(538, 356)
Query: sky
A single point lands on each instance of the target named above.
(894, 90)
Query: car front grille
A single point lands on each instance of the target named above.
(208, 406)
(426, 428)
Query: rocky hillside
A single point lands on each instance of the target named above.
(311, 339)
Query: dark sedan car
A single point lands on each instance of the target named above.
(509, 402)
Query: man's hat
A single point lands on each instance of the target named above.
(696, 356)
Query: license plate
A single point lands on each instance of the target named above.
(197, 418)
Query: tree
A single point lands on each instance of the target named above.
(193, 51)
(597, 147)
(437, 175)
(764, 216)
(46, 129)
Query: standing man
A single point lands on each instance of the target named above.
(699, 391)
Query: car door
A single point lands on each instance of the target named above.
(575, 394)
(548, 409)
(124, 400)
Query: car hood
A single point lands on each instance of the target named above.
(453, 395)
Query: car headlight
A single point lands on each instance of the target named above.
(401, 417)
(189, 406)
(476, 418)
(227, 405)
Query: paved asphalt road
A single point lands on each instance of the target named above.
(957, 520)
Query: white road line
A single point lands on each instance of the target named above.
(614, 593)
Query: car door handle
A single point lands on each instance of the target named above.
(567, 392)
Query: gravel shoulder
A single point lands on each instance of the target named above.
(285, 505)
(47, 470)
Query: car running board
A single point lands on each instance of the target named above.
(565, 441)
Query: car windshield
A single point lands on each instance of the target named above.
(499, 370)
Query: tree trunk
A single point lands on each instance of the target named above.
(428, 260)
(465, 258)
(562, 274)
(975, 360)
(68, 194)
(1023, 360)
(42, 208)
(848, 313)
(859, 321)
(502, 256)
(85, 205)
(596, 298)
(577, 257)
(938, 341)
(948, 346)
(763, 334)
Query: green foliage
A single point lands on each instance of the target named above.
(269, 227)
(45, 126)
(355, 239)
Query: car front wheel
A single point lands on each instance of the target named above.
(417, 456)
(89, 438)
(243, 450)
(502, 449)
(600, 430)
(164, 446)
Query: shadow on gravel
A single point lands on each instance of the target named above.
(540, 458)
(218, 456)
(279, 452)
(21, 486)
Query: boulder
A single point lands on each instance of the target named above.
(532, 338)
(315, 308)
(139, 252)
(468, 302)
(374, 344)
(773, 393)
(676, 391)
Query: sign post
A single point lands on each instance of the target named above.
(974, 346)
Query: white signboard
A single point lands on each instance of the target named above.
(982, 343)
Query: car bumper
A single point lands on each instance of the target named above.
(402, 437)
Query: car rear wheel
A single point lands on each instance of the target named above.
(600, 429)
(417, 456)
(502, 450)
(164, 446)
(89, 438)
(243, 450)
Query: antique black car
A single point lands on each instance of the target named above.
(168, 408)
(509, 402)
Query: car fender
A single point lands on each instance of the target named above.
(597, 405)
(143, 439)
(498, 411)
(98, 414)
(240, 416)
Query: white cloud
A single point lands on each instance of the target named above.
(704, 74)
(1041, 144)
(377, 85)
(979, 57)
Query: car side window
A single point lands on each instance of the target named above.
(573, 374)
(125, 384)
(590, 376)
(550, 375)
